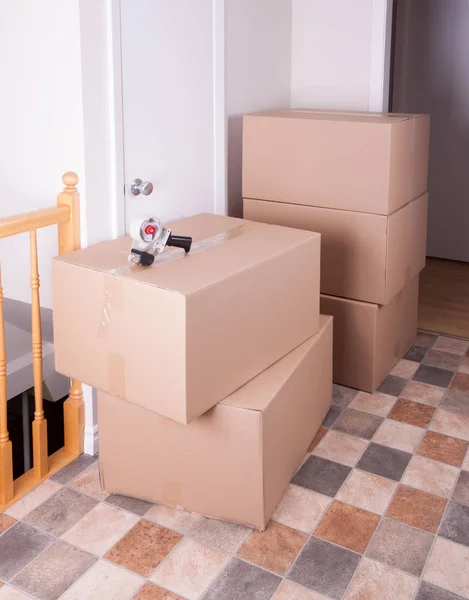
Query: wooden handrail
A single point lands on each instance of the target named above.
(67, 216)
(35, 219)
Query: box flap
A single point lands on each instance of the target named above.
(258, 393)
(246, 244)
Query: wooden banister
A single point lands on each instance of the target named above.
(6, 455)
(67, 216)
(40, 455)
(35, 219)
(69, 240)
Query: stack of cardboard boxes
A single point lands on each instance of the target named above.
(214, 369)
(359, 179)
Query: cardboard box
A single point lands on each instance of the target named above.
(180, 336)
(364, 162)
(363, 256)
(235, 461)
(370, 339)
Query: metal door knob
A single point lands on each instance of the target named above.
(138, 187)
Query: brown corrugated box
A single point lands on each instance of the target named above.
(235, 461)
(180, 336)
(365, 162)
(369, 339)
(364, 256)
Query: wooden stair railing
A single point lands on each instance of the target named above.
(67, 216)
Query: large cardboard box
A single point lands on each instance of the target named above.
(366, 162)
(235, 461)
(180, 336)
(370, 339)
(363, 256)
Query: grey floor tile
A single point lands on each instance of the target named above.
(384, 461)
(342, 396)
(321, 475)
(60, 512)
(19, 546)
(355, 422)
(425, 340)
(455, 524)
(456, 401)
(324, 568)
(74, 468)
(241, 580)
(332, 416)
(415, 353)
(443, 360)
(54, 571)
(393, 385)
(433, 376)
(427, 591)
(400, 546)
(133, 505)
(461, 491)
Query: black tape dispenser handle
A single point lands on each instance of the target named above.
(179, 241)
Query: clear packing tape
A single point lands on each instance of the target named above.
(113, 301)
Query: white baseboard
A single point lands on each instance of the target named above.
(91, 442)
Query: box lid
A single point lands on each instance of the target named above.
(258, 393)
(343, 116)
(223, 246)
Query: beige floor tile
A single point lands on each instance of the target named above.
(451, 423)
(189, 569)
(225, 536)
(173, 518)
(301, 508)
(464, 366)
(430, 476)
(448, 567)
(367, 491)
(104, 580)
(88, 482)
(453, 345)
(9, 593)
(423, 393)
(100, 529)
(24, 506)
(405, 368)
(401, 436)
(292, 591)
(374, 581)
(341, 448)
(374, 404)
(465, 464)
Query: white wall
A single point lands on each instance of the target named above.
(340, 50)
(257, 72)
(41, 124)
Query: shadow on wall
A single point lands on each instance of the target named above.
(234, 166)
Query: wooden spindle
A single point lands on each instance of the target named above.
(6, 456)
(69, 240)
(40, 455)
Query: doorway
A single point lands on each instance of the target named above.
(430, 75)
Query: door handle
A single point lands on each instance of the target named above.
(138, 187)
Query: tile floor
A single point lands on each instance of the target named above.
(378, 511)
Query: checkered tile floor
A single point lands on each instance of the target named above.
(379, 510)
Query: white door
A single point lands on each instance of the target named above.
(168, 106)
